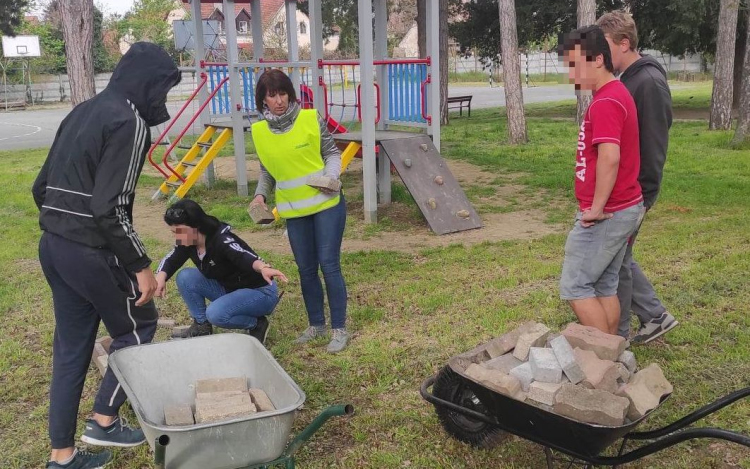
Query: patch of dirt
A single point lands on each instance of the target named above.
(413, 235)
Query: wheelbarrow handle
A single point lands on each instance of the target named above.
(671, 440)
(690, 418)
(436, 401)
(300, 439)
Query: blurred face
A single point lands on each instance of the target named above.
(185, 235)
(277, 102)
(618, 51)
(582, 73)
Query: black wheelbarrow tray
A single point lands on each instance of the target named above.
(482, 417)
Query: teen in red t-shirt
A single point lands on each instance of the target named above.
(606, 183)
(611, 118)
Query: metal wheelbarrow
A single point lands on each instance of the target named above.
(482, 417)
(160, 374)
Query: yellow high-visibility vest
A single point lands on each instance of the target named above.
(292, 158)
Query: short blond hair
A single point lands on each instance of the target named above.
(619, 25)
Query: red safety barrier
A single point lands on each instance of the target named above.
(184, 131)
(204, 80)
(377, 102)
(322, 63)
(424, 100)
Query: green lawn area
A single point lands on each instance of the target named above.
(410, 311)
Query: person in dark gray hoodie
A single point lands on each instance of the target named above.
(646, 80)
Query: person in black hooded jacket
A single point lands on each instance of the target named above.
(227, 272)
(94, 261)
(646, 80)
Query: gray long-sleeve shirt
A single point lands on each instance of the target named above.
(283, 124)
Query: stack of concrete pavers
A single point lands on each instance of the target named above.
(219, 399)
(100, 356)
(581, 373)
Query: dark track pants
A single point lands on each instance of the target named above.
(88, 285)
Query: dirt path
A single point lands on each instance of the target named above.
(414, 234)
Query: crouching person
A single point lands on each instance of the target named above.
(239, 284)
(609, 196)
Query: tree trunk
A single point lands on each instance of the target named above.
(443, 19)
(586, 17)
(422, 28)
(739, 52)
(742, 133)
(512, 72)
(78, 33)
(721, 98)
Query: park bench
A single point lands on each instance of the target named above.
(459, 102)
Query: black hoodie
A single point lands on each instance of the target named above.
(646, 80)
(86, 187)
(228, 260)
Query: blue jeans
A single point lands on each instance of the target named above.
(239, 309)
(316, 244)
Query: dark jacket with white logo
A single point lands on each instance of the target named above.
(86, 187)
(228, 260)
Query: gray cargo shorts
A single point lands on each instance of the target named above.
(593, 255)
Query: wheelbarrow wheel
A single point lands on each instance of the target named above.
(450, 386)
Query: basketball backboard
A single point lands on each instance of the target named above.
(184, 30)
(21, 46)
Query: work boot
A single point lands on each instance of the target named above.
(654, 328)
(339, 340)
(196, 329)
(312, 332)
(260, 331)
(116, 434)
(83, 460)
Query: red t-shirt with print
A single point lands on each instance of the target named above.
(610, 118)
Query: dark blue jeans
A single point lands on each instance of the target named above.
(89, 286)
(239, 309)
(316, 244)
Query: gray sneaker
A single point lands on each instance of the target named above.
(118, 434)
(654, 328)
(83, 460)
(339, 340)
(311, 333)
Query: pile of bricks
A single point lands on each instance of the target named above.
(581, 373)
(219, 399)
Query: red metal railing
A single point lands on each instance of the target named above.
(322, 62)
(359, 102)
(184, 131)
(204, 80)
(424, 99)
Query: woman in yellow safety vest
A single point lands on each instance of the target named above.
(294, 145)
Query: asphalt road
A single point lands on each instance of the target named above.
(36, 128)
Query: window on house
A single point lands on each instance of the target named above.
(242, 28)
(279, 28)
(302, 27)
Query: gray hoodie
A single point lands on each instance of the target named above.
(646, 80)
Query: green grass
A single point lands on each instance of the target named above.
(411, 311)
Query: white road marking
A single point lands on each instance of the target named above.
(38, 129)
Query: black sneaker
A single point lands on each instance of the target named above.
(118, 434)
(84, 460)
(196, 329)
(654, 328)
(260, 331)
